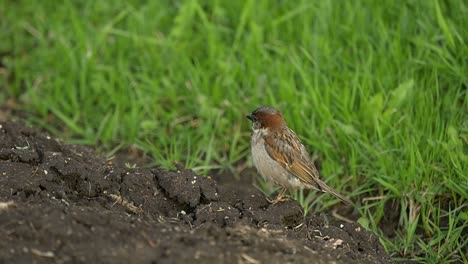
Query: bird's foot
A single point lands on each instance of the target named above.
(278, 199)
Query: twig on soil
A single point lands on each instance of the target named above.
(6, 205)
(204, 207)
(311, 234)
(65, 202)
(46, 254)
(128, 205)
(249, 259)
(310, 250)
(298, 226)
(150, 241)
(35, 171)
(25, 147)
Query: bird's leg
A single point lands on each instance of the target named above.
(280, 197)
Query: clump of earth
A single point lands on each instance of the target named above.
(64, 203)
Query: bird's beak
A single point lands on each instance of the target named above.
(250, 117)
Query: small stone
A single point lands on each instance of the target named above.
(338, 243)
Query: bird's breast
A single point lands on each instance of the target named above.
(268, 168)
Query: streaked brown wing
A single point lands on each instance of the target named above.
(286, 149)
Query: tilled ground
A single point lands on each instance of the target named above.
(62, 203)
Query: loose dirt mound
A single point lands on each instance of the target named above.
(62, 203)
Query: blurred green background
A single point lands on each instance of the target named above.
(376, 89)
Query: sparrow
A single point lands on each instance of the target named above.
(280, 157)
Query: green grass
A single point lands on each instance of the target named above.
(376, 89)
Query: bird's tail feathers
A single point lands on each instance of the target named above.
(321, 186)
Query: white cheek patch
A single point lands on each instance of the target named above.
(260, 131)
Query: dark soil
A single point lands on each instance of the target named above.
(63, 203)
